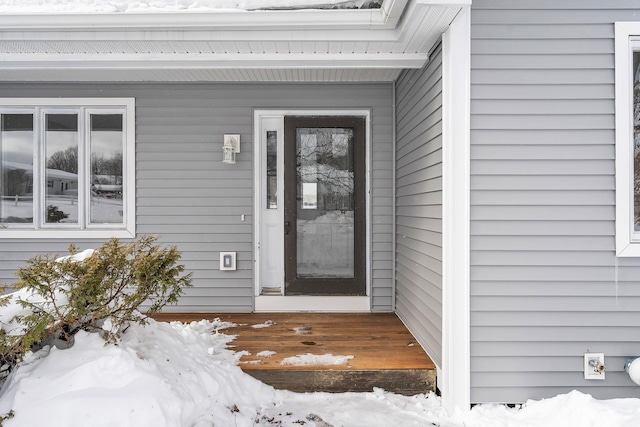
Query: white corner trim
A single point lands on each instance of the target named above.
(392, 11)
(312, 303)
(456, 375)
(626, 245)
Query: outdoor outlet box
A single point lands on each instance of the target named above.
(594, 367)
(227, 261)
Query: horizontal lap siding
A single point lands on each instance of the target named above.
(419, 204)
(191, 199)
(545, 283)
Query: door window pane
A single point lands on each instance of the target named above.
(325, 202)
(61, 173)
(272, 169)
(106, 145)
(16, 169)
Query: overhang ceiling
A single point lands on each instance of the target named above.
(238, 46)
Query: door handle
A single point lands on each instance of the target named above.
(286, 227)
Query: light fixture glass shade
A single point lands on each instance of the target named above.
(228, 154)
(633, 369)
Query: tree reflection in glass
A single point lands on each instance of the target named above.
(61, 173)
(16, 169)
(106, 145)
(325, 200)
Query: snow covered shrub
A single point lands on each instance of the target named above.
(99, 290)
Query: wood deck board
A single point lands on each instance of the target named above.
(385, 354)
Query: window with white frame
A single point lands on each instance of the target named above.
(67, 168)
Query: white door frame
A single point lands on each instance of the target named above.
(303, 303)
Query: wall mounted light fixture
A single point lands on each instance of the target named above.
(632, 367)
(230, 147)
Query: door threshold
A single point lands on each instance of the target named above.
(265, 303)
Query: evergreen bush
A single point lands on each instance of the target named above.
(102, 292)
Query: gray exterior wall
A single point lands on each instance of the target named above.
(545, 283)
(191, 199)
(419, 204)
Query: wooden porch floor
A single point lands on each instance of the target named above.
(385, 354)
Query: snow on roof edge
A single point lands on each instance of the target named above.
(117, 7)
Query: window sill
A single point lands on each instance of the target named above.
(66, 234)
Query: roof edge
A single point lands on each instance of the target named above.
(383, 18)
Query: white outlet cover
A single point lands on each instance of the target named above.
(589, 371)
(227, 261)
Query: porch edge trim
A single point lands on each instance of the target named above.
(312, 303)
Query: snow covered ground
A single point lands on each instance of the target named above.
(178, 374)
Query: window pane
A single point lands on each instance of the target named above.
(272, 169)
(61, 174)
(16, 169)
(106, 147)
(636, 139)
(326, 203)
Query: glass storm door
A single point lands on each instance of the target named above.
(324, 205)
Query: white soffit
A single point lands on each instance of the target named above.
(279, 46)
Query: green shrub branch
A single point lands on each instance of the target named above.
(67, 295)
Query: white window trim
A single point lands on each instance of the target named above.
(627, 240)
(129, 197)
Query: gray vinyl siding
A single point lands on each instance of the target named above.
(419, 204)
(545, 283)
(185, 194)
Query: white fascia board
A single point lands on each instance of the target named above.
(392, 11)
(211, 61)
(218, 20)
(200, 34)
(444, 2)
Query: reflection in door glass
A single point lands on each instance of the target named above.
(61, 173)
(272, 169)
(16, 169)
(325, 202)
(309, 195)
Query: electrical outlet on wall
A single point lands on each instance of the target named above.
(227, 261)
(594, 367)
